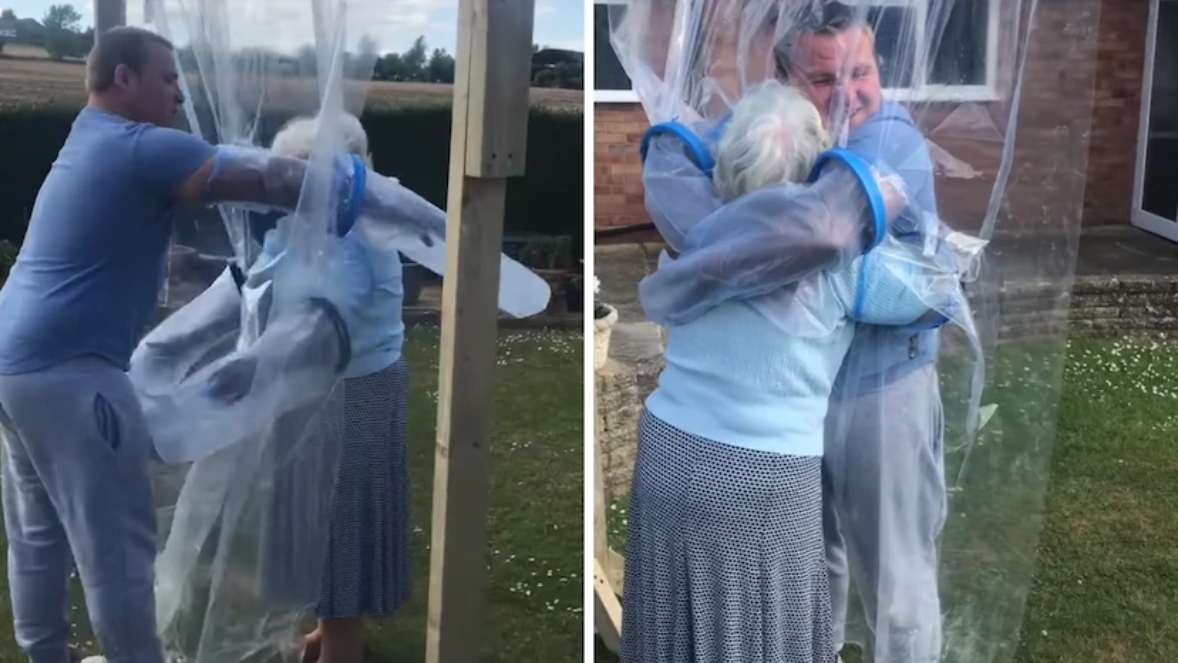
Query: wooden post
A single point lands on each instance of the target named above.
(487, 145)
(607, 610)
(108, 14)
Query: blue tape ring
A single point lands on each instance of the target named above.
(699, 154)
(355, 201)
(862, 173)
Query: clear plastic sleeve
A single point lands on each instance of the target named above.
(238, 384)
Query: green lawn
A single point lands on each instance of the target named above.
(532, 599)
(1102, 578)
(1106, 586)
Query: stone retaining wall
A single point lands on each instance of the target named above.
(1098, 306)
(1127, 305)
(620, 390)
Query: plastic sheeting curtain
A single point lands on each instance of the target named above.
(1001, 92)
(243, 531)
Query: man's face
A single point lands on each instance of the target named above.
(154, 93)
(838, 69)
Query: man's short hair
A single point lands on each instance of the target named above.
(121, 45)
(829, 19)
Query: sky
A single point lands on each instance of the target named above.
(395, 23)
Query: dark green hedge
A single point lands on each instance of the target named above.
(411, 144)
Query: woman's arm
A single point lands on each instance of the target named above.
(761, 242)
(896, 284)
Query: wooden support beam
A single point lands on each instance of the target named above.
(108, 14)
(600, 527)
(493, 70)
(609, 561)
(607, 610)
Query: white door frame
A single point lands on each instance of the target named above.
(1167, 228)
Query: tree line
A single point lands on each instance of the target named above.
(57, 32)
(550, 67)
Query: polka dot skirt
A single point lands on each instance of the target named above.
(724, 556)
(367, 570)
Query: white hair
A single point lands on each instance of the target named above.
(774, 136)
(297, 136)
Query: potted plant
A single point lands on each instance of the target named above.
(604, 318)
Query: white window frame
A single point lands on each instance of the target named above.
(612, 96)
(615, 97)
(922, 91)
(1138, 216)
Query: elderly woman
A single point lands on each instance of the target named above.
(725, 557)
(301, 470)
(367, 568)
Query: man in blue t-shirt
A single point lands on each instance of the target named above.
(82, 292)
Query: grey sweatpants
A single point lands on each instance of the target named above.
(76, 489)
(884, 504)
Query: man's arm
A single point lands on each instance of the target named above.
(257, 176)
(191, 191)
(896, 285)
(245, 175)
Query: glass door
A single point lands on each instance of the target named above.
(1155, 198)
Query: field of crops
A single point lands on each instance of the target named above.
(28, 80)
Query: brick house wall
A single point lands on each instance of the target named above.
(1111, 157)
(617, 169)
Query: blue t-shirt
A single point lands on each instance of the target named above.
(87, 276)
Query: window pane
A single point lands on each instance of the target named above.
(958, 54)
(895, 34)
(607, 71)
